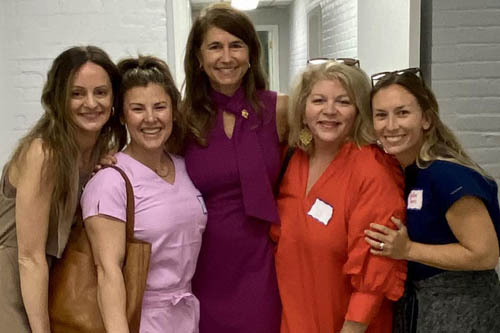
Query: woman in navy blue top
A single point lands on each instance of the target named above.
(451, 238)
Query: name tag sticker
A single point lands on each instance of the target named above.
(415, 199)
(202, 203)
(321, 211)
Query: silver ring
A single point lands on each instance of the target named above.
(382, 246)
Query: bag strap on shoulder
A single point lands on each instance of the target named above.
(130, 203)
(284, 165)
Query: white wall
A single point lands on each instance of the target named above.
(340, 28)
(339, 36)
(178, 25)
(466, 74)
(298, 38)
(34, 32)
(277, 16)
(388, 34)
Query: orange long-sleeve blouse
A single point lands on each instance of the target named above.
(326, 274)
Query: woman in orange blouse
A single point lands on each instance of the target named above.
(334, 186)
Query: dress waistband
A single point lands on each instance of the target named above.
(172, 297)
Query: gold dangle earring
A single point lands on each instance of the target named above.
(305, 136)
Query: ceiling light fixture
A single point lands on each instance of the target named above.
(244, 4)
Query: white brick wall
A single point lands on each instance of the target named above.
(466, 74)
(340, 28)
(339, 34)
(34, 32)
(298, 37)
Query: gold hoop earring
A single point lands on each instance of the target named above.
(305, 136)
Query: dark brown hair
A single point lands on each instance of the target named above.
(141, 71)
(56, 127)
(197, 107)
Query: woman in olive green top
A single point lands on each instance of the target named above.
(40, 185)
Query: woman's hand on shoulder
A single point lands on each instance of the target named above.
(106, 160)
(384, 241)
(282, 116)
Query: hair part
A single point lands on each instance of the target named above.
(439, 142)
(56, 127)
(145, 70)
(197, 106)
(354, 81)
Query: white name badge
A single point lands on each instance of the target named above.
(321, 211)
(202, 203)
(415, 199)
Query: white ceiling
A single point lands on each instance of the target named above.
(197, 4)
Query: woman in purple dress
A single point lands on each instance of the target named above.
(233, 157)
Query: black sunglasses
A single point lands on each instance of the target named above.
(412, 70)
(345, 61)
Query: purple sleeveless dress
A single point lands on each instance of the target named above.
(235, 278)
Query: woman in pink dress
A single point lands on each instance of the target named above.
(169, 210)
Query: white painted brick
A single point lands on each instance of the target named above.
(465, 4)
(467, 18)
(81, 7)
(467, 87)
(485, 156)
(35, 32)
(470, 70)
(466, 52)
(35, 8)
(493, 170)
(472, 105)
(488, 123)
(466, 35)
(28, 79)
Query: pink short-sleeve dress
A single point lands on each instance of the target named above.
(172, 218)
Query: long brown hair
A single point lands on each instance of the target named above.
(197, 106)
(56, 128)
(439, 142)
(139, 72)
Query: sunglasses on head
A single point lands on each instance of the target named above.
(412, 70)
(345, 61)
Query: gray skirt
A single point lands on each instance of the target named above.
(451, 302)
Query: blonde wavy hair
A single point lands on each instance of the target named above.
(355, 82)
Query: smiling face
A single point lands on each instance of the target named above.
(91, 98)
(329, 114)
(399, 123)
(225, 60)
(148, 116)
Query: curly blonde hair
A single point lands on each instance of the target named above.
(355, 82)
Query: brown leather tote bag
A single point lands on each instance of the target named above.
(73, 304)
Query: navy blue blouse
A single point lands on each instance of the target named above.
(430, 192)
